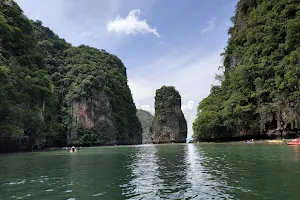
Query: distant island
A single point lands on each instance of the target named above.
(146, 119)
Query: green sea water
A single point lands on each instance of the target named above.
(175, 171)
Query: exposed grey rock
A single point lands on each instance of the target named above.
(169, 124)
(94, 112)
(145, 119)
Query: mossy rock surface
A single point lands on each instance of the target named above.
(169, 124)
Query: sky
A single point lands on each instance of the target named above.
(161, 42)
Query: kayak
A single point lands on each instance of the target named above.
(293, 143)
(72, 150)
(275, 141)
(249, 141)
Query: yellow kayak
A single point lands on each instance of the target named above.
(275, 141)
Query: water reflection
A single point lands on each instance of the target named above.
(205, 183)
(174, 172)
(191, 171)
(145, 180)
(296, 151)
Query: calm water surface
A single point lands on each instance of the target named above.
(187, 171)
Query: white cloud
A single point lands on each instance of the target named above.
(211, 24)
(166, 44)
(148, 108)
(193, 117)
(138, 106)
(88, 34)
(190, 105)
(131, 25)
(184, 108)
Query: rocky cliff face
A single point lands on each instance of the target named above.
(169, 124)
(94, 102)
(93, 113)
(100, 102)
(145, 119)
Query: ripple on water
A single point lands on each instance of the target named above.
(17, 182)
(150, 173)
(96, 195)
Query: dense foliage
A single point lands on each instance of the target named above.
(41, 76)
(52, 48)
(259, 93)
(26, 92)
(79, 74)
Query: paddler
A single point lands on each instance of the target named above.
(73, 149)
(294, 140)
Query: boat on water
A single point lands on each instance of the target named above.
(72, 150)
(275, 141)
(293, 142)
(249, 141)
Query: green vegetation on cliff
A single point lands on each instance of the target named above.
(259, 93)
(169, 124)
(43, 77)
(79, 75)
(93, 71)
(26, 91)
(165, 98)
(52, 48)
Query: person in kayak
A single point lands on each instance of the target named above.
(294, 140)
(73, 149)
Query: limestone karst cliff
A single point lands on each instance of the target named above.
(169, 124)
(95, 102)
(259, 92)
(55, 94)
